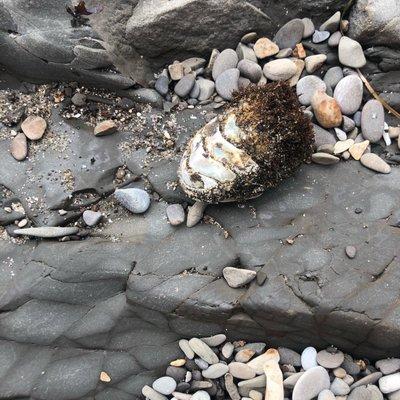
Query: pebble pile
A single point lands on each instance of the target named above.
(212, 367)
(322, 64)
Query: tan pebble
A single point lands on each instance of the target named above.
(19, 147)
(326, 110)
(34, 127)
(274, 378)
(325, 148)
(299, 51)
(105, 128)
(195, 213)
(257, 364)
(22, 223)
(178, 363)
(342, 146)
(375, 163)
(394, 132)
(358, 149)
(104, 377)
(324, 159)
(176, 71)
(255, 395)
(346, 155)
(244, 355)
(265, 48)
(300, 67)
(314, 62)
(339, 372)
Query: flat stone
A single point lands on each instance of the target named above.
(367, 380)
(264, 48)
(279, 70)
(348, 93)
(332, 24)
(164, 385)
(342, 146)
(309, 358)
(359, 393)
(284, 53)
(215, 340)
(91, 218)
(135, 200)
(394, 395)
(201, 395)
(185, 347)
(314, 62)
(194, 63)
(245, 53)
(320, 36)
(215, 371)
(162, 85)
(207, 88)
(231, 387)
(374, 162)
(151, 394)
(291, 380)
(358, 149)
(78, 99)
(185, 85)
(324, 159)
(201, 363)
(34, 127)
(195, 92)
(47, 232)
(175, 214)
(311, 383)
(388, 366)
(179, 362)
(176, 71)
(274, 381)
(351, 53)
(237, 277)
(250, 70)
(339, 372)
(289, 34)
(325, 148)
(227, 350)
(227, 83)
(326, 395)
(241, 371)
(322, 136)
(390, 383)
(307, 86)
(257, 364)
(375, 393)
(105, 128)
(330, 360)
(341, 135)
(326, 110)
(357, 118)
(203, 351)
(257, 382)
(348, 124)
(309, 27)
(372, 120)
(226, 60)
(255, 395)
(195, 213)
(339, 387)
(250, 37)
(333, 76)
(334, 39)
(351, 251)
(288, 356)
(19, 146)
(146, 96)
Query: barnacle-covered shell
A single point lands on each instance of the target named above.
(261, 139)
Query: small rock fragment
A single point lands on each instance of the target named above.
(374, 162)
(265, 48)
(351, 251)
(91, 218)
(34, 127)
(237, 277)
(175, 214)
(314, 62)
(324, 159)
(104, 377)
(19, 147)
(358, 149)
(105, 128)
(135, 200)
(342, 146)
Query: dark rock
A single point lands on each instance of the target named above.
(290, 34)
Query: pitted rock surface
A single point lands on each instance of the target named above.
(121, 299)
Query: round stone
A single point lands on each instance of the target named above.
(78, 99)
(351, 53)
(375, 163)
(226, 60)
(241, 371)
(185, 347)
(390, 383)
(265, 48)
(243, 82)
(309, 358)
(351, 251)
(201, 395)
(203, 351)
(34, 127)
(280, 70)
(206, 87)
(372, 121)
(388, 365)
(322, 137)
(227, 349)
(195, 92)
(341, 135)
(91, 218)
(320, 36)
(162, 85)
(334, 40)
(19, 147)
(175, 214)
(332, 24)
(326, 395)
(288, 356)
(290, 34)
(348, 93)
(333, 76)
(326, 110)
(237, 277)
(314, 62)
(307, 86)
(149, 393)
(250, 70)
(348, 124)
(311, 384)
(359, 393)
(250, 37)
(185, 85)
(215, 371)
(164, 385)
(339, 387)
(215, 340)
(245, 53)
(135, 200)
(227, 82)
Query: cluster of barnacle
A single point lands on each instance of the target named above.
(260, 140)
